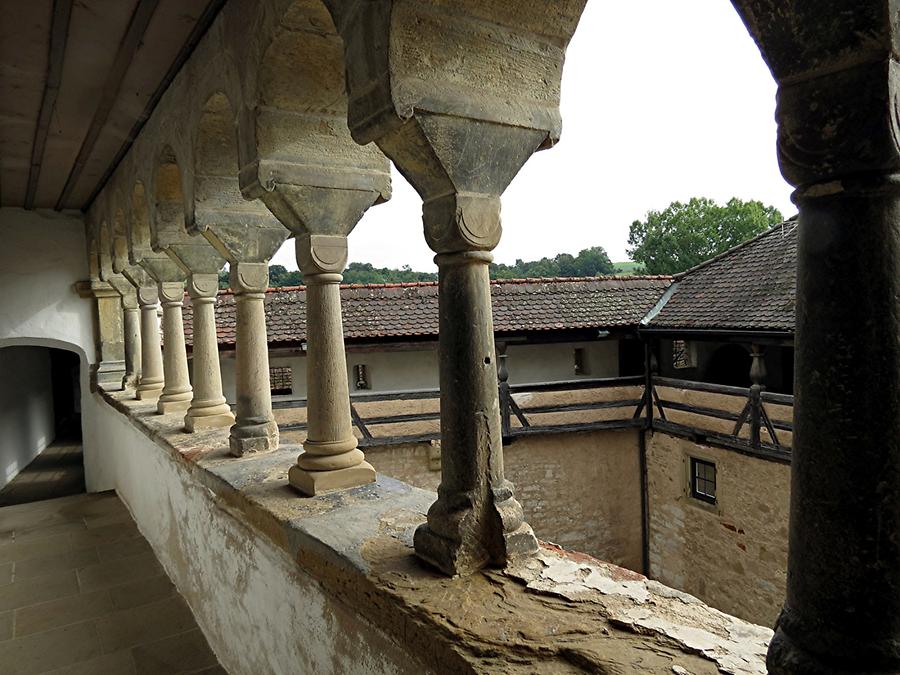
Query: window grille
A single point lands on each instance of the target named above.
(683, 354)
(281, 380)
(703, 480)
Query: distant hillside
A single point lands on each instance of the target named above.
(629, 268)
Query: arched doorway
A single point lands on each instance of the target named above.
(40, 424)
(730, 365)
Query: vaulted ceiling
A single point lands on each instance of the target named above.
(78, 78)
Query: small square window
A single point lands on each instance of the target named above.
(703, 480)
(281, 380)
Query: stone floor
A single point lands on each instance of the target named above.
(82, 592)
(57, 472)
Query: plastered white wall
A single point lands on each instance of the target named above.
(416, 369)
(26, 408)
(260, 612)
(42, 256)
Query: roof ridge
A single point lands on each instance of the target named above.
(734, 249)
(494, 282)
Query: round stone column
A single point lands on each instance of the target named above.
(254, 429)
(476, 519)
(842, 611)
(208, 407)
(151, 382)
(330, 460)
(177, 392)
(132, 335)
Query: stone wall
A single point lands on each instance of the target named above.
(732, 554)
(580, 490)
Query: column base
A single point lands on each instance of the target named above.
(148, 394)
(109, 375)
(462, 558)
(194, 423)
(314, 483)
(165, 406)
(254, 438)
(837, 654)
(130, 381)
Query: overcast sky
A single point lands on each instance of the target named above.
(661, 101)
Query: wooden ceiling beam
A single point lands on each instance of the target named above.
(129, 45)
(59, 35)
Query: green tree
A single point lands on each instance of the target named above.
(684, 235)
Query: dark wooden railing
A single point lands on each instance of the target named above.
(763, 435)
(754, 429)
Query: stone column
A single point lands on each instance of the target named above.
(208, 407)
(108, 371)
(842, 612)
(151, 383)
(132, 326)
(255, 429)
(177, 393)
(476, 519)
(331, 459)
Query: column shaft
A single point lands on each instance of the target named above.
(842, 612)
(151, 383)
(177, 393)
(132, 317)
(208, 407)
(255, 429)
(331, 459)
(476, 520)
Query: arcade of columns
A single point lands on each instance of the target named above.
(281, 124)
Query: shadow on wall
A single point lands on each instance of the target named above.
(40, 401)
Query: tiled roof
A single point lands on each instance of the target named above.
(411, 310)
(749, 287)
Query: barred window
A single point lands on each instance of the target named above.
(703, 480)
(683, 354)
(281, 380)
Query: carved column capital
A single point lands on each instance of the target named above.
(203, 287)
(462, 222)
(171, 293)
(248, 278)
(321, 254)
(148, 296)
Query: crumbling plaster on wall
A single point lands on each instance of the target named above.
(354, 547)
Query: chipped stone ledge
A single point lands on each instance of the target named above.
(557, 612)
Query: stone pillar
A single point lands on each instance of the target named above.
(151, 383)
(255, 429)
(842, 612)
(132, 327)
(177, 393)
(108, 370)
(331, 459)
(476, 519)
(208, 407)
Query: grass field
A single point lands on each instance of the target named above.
(628, 268)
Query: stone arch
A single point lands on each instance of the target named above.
(119, 243)
(138, 223)
(167, 206)
(729, 364)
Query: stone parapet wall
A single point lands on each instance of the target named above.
(282, 583)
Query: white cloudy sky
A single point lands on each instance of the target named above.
(661, 100)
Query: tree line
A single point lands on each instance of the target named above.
(670, 241)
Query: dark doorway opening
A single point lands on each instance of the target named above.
(40, 424)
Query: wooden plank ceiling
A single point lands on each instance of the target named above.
(78, 79)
